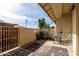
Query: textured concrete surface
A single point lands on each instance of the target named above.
(43, 48)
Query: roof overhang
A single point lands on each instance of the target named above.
(56, 10)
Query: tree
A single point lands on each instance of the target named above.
(47, 26)
(43, 29)
(42, 24)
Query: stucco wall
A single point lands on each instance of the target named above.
(64, 24)
(26, 36)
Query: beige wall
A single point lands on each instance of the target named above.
(64, 24)
(26, 36)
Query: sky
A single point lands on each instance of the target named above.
(24, 14)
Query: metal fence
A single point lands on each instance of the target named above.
(8, 38)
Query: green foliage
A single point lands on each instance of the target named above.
(42, 24)
(47, 26)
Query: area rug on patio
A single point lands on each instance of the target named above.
(58, 51)
(54, 51)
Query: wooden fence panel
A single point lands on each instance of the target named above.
(8, 38)
(0, 39)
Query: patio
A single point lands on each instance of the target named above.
(66, 28)
(42, 48)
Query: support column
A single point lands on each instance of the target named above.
(75, 28)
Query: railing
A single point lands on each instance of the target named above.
(63, 37)
(8, 38)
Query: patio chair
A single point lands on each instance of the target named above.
(58, 37)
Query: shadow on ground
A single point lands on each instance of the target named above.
(35, 48)
(26, 50)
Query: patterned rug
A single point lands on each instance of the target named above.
(58, 51)
(54, 51)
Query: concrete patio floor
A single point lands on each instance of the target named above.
(43, 48)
